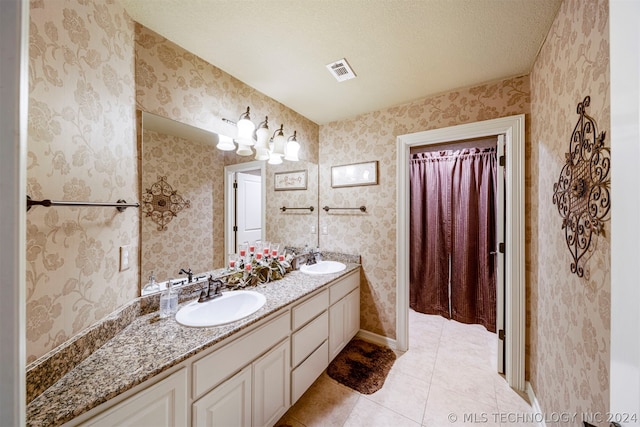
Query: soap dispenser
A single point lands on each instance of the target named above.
(168, 300)
(150, 287)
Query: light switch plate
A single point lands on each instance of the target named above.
(124, 257)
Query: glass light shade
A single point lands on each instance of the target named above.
(244, 150)
(262, 135)
(279, 143)
(293, 147)
(262, 153)
(245, 131)
(225, 143)
(275, 159)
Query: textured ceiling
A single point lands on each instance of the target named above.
(401, 50)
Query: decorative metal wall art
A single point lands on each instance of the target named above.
(582, 191)
(162, 203)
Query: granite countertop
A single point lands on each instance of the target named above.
(149, 346)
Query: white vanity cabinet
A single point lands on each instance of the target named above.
(344, 312)
(258, 395)
(163, 404)
(251, 378)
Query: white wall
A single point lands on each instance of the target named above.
(14, 24)
(624, 20)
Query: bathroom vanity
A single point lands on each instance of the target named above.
(247, 373)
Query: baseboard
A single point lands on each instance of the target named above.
(376, 339)
(535, 405)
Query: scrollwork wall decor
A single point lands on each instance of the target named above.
(582, 192)
(162, 203)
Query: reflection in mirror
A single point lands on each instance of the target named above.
(181, 194)
(183, 201)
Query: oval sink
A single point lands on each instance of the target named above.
(231, 306)
(323, 267)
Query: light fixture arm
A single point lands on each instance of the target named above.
(264, 124)
(245, 115)
(279, 132)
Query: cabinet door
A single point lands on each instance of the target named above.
(162, 404)
(229, 404)
(271, 386)
(337, 337)
(344, 322)
(352, 314)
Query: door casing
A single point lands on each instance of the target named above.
(229, 201)
(513, 129)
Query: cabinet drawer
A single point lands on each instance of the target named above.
(304, 375)
(212, 369)
(344, 286)
(309, 309)
(309, 338)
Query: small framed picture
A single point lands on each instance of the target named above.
(294, 180)
(354, 174)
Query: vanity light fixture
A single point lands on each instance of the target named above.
(273, 149)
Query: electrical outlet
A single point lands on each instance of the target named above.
(313, 229)
(124, 257)
(325, 229)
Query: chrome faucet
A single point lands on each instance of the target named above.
(212, 291)
(189, 274)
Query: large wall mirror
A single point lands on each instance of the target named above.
(184, 200)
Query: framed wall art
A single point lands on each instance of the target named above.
(293, 180)
(355, 174)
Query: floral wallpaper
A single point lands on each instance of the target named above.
(191, 168)
(372, 136)
(569, 322)
(81, 147)
(173, 83)
(293, 227)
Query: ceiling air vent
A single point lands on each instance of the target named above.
(341, 70)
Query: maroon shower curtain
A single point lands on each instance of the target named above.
(453, 211)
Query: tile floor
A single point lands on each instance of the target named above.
(449, 371)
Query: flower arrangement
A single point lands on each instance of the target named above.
(254, 272)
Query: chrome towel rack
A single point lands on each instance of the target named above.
(284, 208)
(121, 205)
(361, 208)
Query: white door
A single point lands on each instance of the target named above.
(249, 207)
(500, 254)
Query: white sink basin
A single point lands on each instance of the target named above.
(323, 267)
(231, 306)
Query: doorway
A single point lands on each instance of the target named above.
(456, 225)
(245, 201)
(514, 329)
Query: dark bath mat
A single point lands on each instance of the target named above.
(362, 366)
